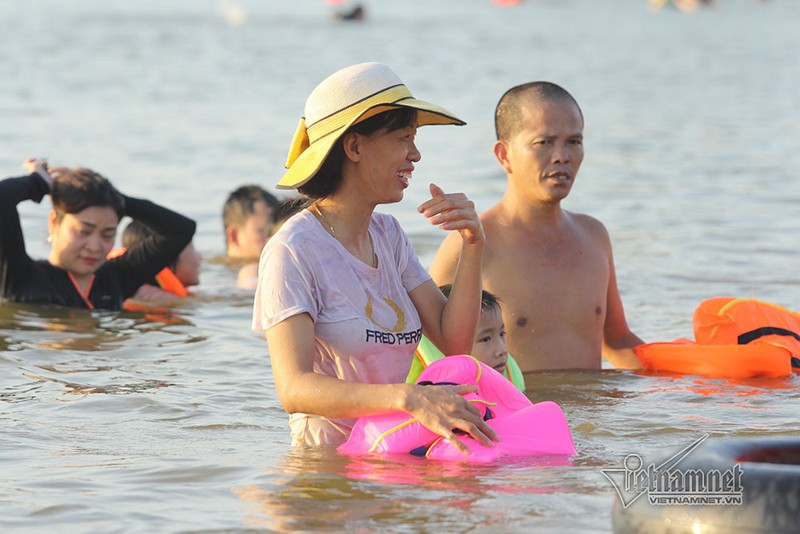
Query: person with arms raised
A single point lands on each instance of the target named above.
(83, 225)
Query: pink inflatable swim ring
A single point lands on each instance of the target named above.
(524, 428)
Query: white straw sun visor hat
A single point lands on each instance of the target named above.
(344, 98)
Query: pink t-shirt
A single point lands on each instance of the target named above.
(365, 326)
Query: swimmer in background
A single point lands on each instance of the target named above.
(282, 212)
(354, 13)
(682, 5)
(83, 224)
(247, 222)
(171, 283)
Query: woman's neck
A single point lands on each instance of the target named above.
(350, 226)
(348, 221)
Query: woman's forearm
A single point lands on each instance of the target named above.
(462, 310)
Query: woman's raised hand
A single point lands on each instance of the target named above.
(38, 166)
(454, 211)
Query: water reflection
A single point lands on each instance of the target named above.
(57, 328)
(585, 387)
(45, 343)
(611, 414)
(722, 388)
(315, 488)
(112, 389)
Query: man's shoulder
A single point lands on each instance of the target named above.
(583, 218)
(495, 218)
(587, 223)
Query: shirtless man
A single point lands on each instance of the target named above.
(553, 270)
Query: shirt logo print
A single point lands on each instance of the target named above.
(399, 326)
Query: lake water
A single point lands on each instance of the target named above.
(123, 422)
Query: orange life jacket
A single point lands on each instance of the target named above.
(734, 338)
(166, 278)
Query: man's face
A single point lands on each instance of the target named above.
(545, 155)
(251, 237)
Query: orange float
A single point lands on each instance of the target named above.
(734, 338)
(167, 280)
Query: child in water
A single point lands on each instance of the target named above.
(490, 336)
(489, 346)
(171, 284)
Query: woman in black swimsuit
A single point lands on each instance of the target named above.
(83, 225)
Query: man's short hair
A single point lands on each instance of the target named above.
(508, 113)
(240, 204)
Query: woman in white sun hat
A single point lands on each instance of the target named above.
(342, 296)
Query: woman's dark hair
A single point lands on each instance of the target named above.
(286, 208)
(74, 190)
(328, 178)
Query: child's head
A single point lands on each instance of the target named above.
(489, 346)
(247, 219)
(187, 264)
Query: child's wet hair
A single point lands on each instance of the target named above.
(489, 301)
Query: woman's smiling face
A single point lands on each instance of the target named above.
(387, 161)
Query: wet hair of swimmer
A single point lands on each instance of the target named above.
(74, 190)
(328, 178)
(136, 232)
(240, 204)
(488, 300)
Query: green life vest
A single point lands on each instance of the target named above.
(427, 353)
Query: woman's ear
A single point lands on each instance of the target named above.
(352, 146)
(52, 222)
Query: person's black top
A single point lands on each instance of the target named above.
(23, 279)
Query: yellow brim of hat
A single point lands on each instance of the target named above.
(305, 157)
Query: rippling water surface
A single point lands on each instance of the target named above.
(169, 422)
